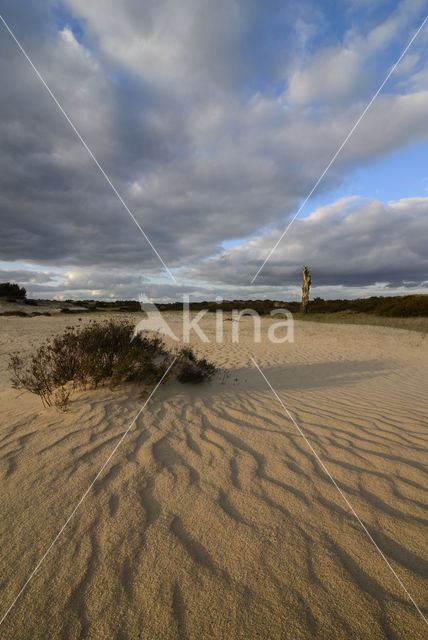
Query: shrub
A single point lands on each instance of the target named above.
(20, 314)
(191, 369)
(71, 311)
(99, 353)
(12, 290)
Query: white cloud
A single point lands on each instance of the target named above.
(330, 211)
(350, 70)
(332, 74)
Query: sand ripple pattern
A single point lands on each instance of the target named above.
(214, 520)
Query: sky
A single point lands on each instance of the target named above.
(213, 121)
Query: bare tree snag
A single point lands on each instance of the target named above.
(304, 308)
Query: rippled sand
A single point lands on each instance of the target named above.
(213, 520)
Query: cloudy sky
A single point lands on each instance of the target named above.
(213, 120)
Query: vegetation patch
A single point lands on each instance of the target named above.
(98, 354)
(12, 290)
(191, 369)
(20, 314)
(387, 306)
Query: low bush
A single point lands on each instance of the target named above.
(20, 314)
(100, 353)
(191, 369)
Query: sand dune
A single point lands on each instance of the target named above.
(214, 519)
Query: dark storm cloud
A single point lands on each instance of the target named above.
(348, 243)
(27, 277)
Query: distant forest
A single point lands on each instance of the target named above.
(397, 306)
(394, 306)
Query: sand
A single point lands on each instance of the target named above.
(213, 519)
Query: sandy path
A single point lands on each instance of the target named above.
(213, 520)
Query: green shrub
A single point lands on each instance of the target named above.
(99, 353)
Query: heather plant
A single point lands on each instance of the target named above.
(191, 369)
(98, 354)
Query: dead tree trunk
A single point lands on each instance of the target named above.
(304, 308)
